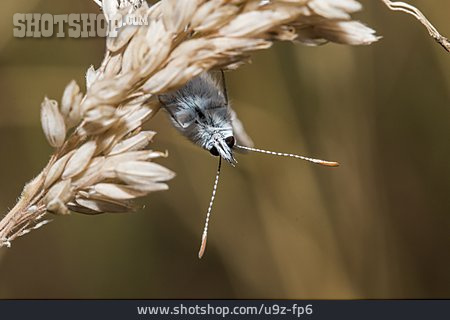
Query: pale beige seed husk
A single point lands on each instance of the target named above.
(107, 140)
(149, 186)
(117, 191)
(91, 76)
(335, 9)
(93, 128)
(101, 206)
(74, 207)
(131, 119)
(177, 13)
(114, 66)
(140, 172)
(98, 120)
(137, 142)
(252, 23)
(57, 169)
(212, 15)
(124, 35)
(61, 191)
(91, 175)
(53, 123)
(109, 169)
(346, 32)
(56, 206)
(80, 160)
(69, 95)
(158, 41)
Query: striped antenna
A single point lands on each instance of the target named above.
(317, 161)
(208, 214)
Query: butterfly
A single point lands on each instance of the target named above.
(201, 112)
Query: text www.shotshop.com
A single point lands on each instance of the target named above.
(224, 311)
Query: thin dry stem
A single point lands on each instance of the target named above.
(409, 9)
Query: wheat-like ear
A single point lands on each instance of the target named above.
(101, 159)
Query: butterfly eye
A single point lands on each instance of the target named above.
(230, 141)
(214, 151)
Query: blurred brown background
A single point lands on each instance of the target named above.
(377, 227)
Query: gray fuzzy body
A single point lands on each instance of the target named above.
(200, 112)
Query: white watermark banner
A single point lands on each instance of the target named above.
(74, 25)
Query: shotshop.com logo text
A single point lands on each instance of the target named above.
(74, 25)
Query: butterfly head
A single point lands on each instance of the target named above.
(221, 146)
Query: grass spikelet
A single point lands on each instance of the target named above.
(102, 159)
